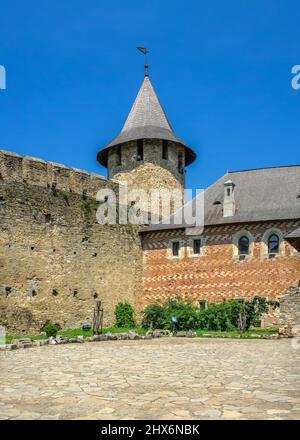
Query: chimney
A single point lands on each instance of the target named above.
(229, 203)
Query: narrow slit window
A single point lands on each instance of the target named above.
(180, 163)
(197, 246)
(119, 156)
(165, 150)
(175, 248)
(140, 149)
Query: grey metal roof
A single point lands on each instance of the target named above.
(146, 120)
(260, 195)
(294, 234)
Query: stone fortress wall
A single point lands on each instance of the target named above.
(151, 173)
(55, 259)
(289, 320)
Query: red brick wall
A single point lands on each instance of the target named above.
(217, 274)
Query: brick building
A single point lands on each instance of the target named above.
(250, 244)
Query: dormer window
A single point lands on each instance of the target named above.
(165, 150)
(139, 149)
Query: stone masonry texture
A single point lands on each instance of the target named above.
(153, 173)
(55, 259)
(289, 319)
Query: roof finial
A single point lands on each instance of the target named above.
(144, 50)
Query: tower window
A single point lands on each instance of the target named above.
(165, 150)
(139, 149)
(175, 248)
(119, 156)
(180, 163)
(273, 244)
(244, 245)
(197, 246)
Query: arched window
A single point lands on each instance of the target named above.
(273, 244)
(244, 245)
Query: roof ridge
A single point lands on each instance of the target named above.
(263, 168)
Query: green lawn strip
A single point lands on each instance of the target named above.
(249, 334)
(10, 338)
(73, 333)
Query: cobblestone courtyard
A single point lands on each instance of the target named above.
(161, 378)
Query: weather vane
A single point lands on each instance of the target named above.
(144, 50)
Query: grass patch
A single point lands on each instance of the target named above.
(10, 338)
(249, 334)
(73, 333)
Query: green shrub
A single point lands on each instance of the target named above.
(124, 314)
(235, 314)
(51, 329)
(160, 316)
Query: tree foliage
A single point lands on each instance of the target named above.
(229, 315)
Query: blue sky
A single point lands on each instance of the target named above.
(222, 70)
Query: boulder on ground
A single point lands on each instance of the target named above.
(80, 339)
(73, 340)
(132, 335)
(159, 333)
(11, 346)
(61, 339)
(122, 336)
(52, 340)
(112, 336)
(181, 334)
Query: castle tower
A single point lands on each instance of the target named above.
(147, 154)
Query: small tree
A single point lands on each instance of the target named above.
(124, 314)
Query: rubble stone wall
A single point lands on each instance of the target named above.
(55, 259)
(289, 320)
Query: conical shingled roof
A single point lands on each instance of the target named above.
(146, 120)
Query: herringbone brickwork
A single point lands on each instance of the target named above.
(217, 274)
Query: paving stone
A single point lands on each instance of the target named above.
(164, 378)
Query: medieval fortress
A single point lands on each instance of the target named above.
(56, 259)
